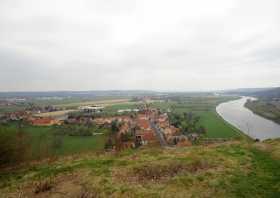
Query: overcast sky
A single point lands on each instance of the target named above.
(179, 45)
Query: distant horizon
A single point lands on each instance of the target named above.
(143, 90)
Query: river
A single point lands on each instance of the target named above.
(245, 120)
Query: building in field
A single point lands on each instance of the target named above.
(91, 109)
(45, 122)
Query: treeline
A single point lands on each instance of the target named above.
(189, 123)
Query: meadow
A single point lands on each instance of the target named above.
(205, 108)
(45, 143)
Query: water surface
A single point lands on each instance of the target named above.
(245, 120)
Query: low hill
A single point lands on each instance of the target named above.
(79, 94)
(268, 94)
(231, 169)
(244, 91)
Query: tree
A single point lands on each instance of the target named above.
(187, 122)
(114, 126)
(201, 130)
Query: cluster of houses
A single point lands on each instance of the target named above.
(42, 109)
(144, 128)
(28, 117)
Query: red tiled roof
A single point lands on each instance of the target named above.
(42, 121)
(142, 117)
(144, 124)
(149, 135)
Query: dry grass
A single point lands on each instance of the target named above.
(159, 172)
(43, 186)
(198, 171)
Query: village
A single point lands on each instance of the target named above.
(130, 128)
(147, 127)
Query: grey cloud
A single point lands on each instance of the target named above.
(267, 54)
(138, 44)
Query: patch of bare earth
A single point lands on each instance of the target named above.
(71, 186)
(159, 172)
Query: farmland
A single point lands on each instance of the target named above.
(64, 103)
(42, 139)
(204, 107)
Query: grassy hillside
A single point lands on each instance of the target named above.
(233, 169)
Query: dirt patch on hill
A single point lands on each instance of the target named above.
(71, 186)
(160, 172)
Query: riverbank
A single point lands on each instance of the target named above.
(268, 110)
(237, 115)
(241, 133)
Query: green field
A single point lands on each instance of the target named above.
(65, 103)
(42, 139)
(205, 107)
(115, 108)
(216, 127)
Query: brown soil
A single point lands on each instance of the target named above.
(68, 186)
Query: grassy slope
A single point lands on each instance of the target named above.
(235, 169)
